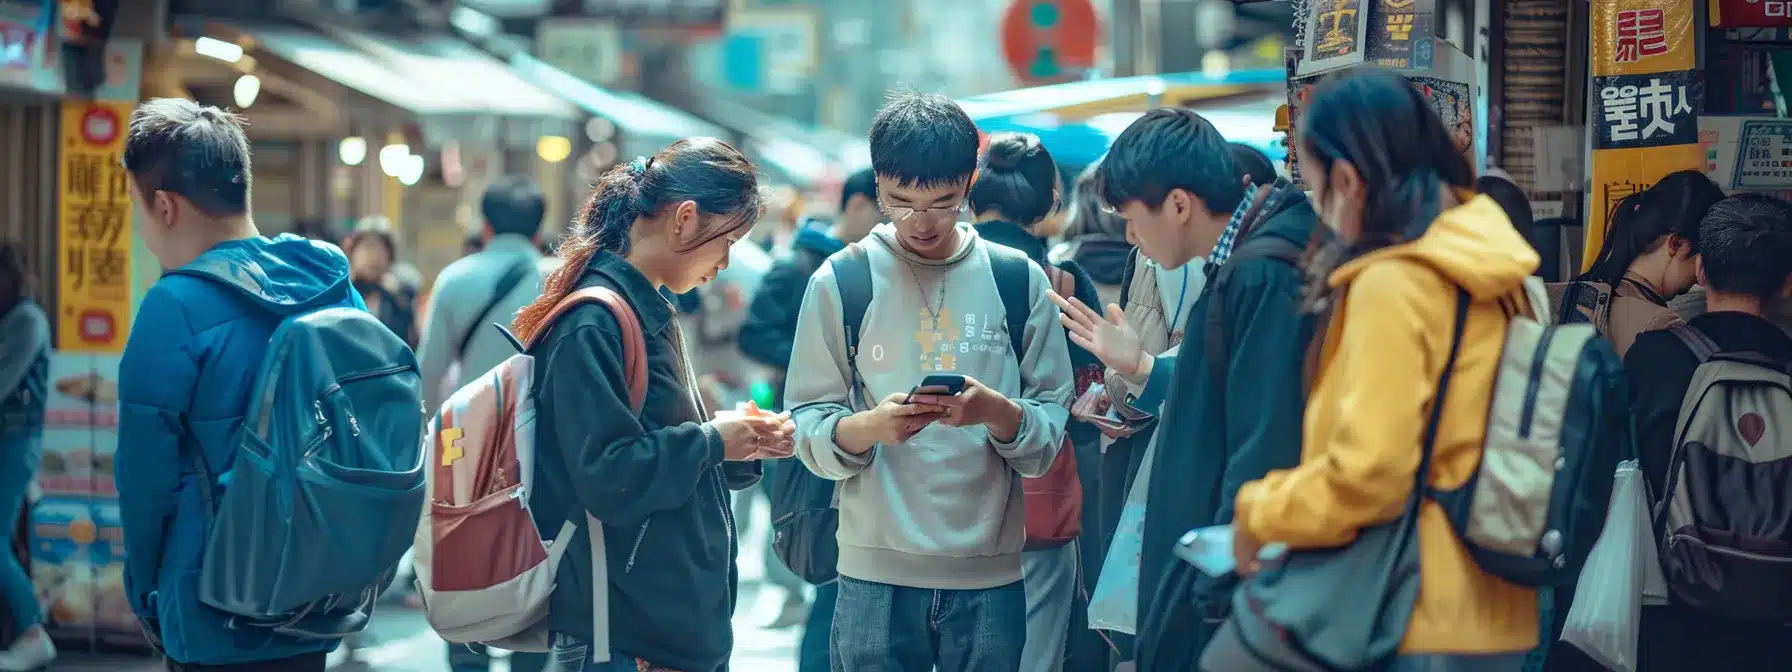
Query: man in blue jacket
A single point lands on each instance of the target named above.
(1223, 423)
(188, 367)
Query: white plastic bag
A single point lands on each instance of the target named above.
(1607, 613)
(1115, 604)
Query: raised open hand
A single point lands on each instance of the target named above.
(1107, 337)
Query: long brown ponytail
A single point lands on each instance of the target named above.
(706, 171)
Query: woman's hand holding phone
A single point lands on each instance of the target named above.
(749, 433)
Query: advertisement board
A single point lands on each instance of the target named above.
(94, 241)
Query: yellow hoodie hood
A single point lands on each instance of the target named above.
(1473, 244)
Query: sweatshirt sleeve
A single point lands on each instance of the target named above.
(1364, 475)
(156, 378)
(818, 385)
(24, 334)
(621, 472)
(1047, 381)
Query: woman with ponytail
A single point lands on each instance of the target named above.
(1416, 253)
(658, 479)
(1649, 257)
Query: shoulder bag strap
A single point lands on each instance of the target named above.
(1700, 344)
(507, 283)
(634, 342)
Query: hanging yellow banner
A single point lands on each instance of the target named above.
(93, 249)
(1646, 96)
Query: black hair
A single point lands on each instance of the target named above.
(860, 183)
(1170, 148)
(1016, 178)
(1745, 246)
(1385, 128)
(377, 234)
(199, 152)
(1088, 215)
(16, 282)
(1253, 163)
(514, 204)
(706, 171)
(1510, 198)
(923, 140)
(1642, 222)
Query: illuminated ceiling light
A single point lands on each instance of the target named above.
(352, 150)
(392, 158)
(1216, 64)
(553, 148)
(1154, 87)
(218, 49)
(412, 171)
(246, 89)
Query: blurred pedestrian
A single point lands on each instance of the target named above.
(372, 252)
(657, 480)
(1418, 257)
(1253, 164)
(24, 385)
(1095, 239)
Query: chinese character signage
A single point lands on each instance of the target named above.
(1401, 34)
(1337, 32)
(1764, 157)
(1646, 110)
(1646, 97)
(95, 239)
(1751, 13)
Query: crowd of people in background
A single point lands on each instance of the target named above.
(989, 399)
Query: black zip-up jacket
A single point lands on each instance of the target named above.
(658, 482)
(769, 330)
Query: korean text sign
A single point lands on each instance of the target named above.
(1646, 98)
(94, 245)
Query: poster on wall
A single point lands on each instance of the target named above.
(81, 426)
(1337, 35)
(1764, 155)
(94, 239)
(77, 569)
(1401, 37)
(1646, 97)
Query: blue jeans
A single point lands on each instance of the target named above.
(20, 454)
(475, 658)
(573, 654)
(812, 653)
(1050, 576)
(1491, 662)
(883, 628)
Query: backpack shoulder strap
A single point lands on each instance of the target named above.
(852, 279)
(1014, 286)
(634, 340)
(1701, 345)
(1219, 351)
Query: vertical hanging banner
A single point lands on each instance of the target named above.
(1646, 96)
(94, 245)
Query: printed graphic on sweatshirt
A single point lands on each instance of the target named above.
(940, 345)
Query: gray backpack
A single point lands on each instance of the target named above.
(1725, 516)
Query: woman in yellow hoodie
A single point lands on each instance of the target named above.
(1389, 181)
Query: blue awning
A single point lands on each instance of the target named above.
(634, 114)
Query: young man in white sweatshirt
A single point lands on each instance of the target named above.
(932, 522)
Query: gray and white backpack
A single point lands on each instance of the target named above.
(1725, 516)
(1558, 425)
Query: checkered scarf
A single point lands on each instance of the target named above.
(1278, 192)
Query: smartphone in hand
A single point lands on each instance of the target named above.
(1209, 549)
(947, 384)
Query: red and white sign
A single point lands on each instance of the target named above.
(1640, 33)
(100, 126)
(1751, 13)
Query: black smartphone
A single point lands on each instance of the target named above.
(948, 384)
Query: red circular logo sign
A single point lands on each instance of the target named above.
(1050, 40)
(99, 125)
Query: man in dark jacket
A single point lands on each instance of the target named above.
(1171, 175)
(769, 330)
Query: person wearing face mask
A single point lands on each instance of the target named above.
(1649, 257)
(1416, 286)
(657, 480)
